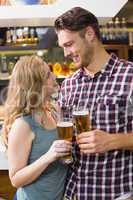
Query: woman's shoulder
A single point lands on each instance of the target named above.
(20, 122)
(20, 127)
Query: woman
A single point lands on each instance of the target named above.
(30, 133)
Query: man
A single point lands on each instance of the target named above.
(103, 158)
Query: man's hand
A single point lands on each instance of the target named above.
(95, 141)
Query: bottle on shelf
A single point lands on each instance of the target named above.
(117, 29)
(21, 36)
(14, 36)
(19, 40)
(103, 35)
(106, 33)
(35, 36)
(4, 68)
(111, 31)
(29, 35)
(130, 38)
(25, 35)
(124, 32)
(3, 36)
(10, 66)
(8, 36)
(32, 35)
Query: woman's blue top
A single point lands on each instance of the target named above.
(50, 184)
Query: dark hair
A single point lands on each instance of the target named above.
(77, 19)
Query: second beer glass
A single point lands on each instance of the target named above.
(81, 119)
(65, 131)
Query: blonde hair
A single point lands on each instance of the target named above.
(26, 91)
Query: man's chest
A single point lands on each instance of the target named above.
(102, 90)
(108, 101)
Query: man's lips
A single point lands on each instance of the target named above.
(76, 58)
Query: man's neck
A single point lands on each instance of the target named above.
(99, 59)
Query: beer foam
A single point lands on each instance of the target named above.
(64, 124)
(81, 112)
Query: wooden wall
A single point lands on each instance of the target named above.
(6, 190)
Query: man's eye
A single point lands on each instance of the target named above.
(68, 45)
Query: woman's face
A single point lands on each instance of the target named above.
(51, 84)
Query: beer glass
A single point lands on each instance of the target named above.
(65, 131)
(82, 119)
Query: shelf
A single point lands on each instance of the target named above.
(10, 50)
(23, 48)
(122, 50)
(116, 46)
(18, 49)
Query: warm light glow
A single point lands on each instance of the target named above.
(40, 53)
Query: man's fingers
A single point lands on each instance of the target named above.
(86, 134)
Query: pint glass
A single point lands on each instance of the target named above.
(82, 120)
(65, 131)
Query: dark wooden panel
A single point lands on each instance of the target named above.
(6, 189)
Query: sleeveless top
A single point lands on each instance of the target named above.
(50, 184)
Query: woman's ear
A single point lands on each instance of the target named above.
(90, 33)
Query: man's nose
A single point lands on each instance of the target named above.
(66, 53)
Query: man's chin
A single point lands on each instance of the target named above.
(78, 65)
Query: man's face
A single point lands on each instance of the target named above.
(76, 47)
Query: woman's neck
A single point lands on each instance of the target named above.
(45, 119)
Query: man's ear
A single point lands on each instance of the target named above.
(90, 33)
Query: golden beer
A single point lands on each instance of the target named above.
(82, 121)
(65, 131)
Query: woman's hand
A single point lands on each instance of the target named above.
(58, 149)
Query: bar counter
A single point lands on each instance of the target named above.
(6, 189)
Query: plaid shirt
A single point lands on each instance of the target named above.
(109, 97)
